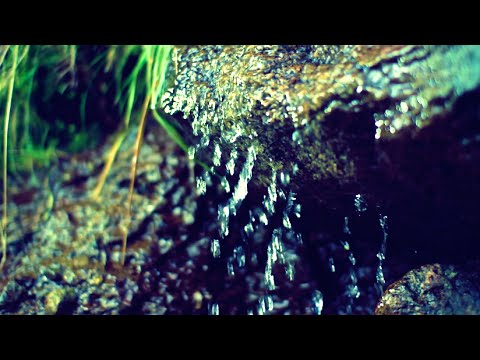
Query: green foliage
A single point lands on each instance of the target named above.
(29, 143)
(47, 72)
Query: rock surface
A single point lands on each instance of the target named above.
(434, 290)
(350, 117)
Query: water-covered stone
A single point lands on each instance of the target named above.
(434, 290)
(342, 118)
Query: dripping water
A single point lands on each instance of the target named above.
(381, 255)
(317, 302)
(352, 290)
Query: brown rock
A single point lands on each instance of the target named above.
(349, 117)
(434, 290)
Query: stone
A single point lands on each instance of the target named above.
(434, 290)
(347, 116)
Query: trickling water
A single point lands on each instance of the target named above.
(352, 290)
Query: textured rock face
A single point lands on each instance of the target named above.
(350, 117)
(434, 290)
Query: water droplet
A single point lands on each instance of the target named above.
(225, 184)
(230, 166)
(346, 228)
(217, 155)
(380, 278)
(261, 309)
(290, 271)
(204, 141)
(241, 189)
(284, 178)
(239, 255)
(345, 245)
(297, 210)
(230, 267)
(201, 186)
(381, 255)
(352, 259)
(271, 198)
(223, 217)
(215, 248)
(332, 264)
(262, 217)
(295, 169)
(360, 203)
(268, 302)
(191, 152)
(297, 137)
(248, 229)
(299, 239)
(286, 222)
(317, 300)
(213, 309)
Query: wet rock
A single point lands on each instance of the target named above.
(434, 290)
(53, 300)
(69, 265)
(335, 111)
